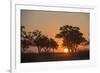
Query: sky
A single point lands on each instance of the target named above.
(49, 22)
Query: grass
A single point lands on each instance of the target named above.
(44, 57)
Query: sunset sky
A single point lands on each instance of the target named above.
(49, 22)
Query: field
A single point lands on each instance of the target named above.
(45, 57)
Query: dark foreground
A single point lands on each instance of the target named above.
(44, 57)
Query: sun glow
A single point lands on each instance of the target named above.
(66, 50)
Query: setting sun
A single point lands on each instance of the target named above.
(54, 35)
(66, 50)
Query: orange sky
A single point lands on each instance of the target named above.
(48, 22)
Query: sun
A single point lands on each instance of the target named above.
(66, 50)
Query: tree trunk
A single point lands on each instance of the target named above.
(53, 50)
(39, 50)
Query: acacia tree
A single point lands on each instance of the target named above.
(71, 36)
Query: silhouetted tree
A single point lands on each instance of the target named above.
(36, 38)
(42, 42)
(53, 44)
(71, 36)
(25, 39)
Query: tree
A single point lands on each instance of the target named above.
(36, 38)
(53, 44)
(25, 41)
(71, 36)
(42, 42)
(23, 33)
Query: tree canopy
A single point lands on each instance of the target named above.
(71, 36)
(36, 38)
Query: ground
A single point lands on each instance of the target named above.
(44, 57)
